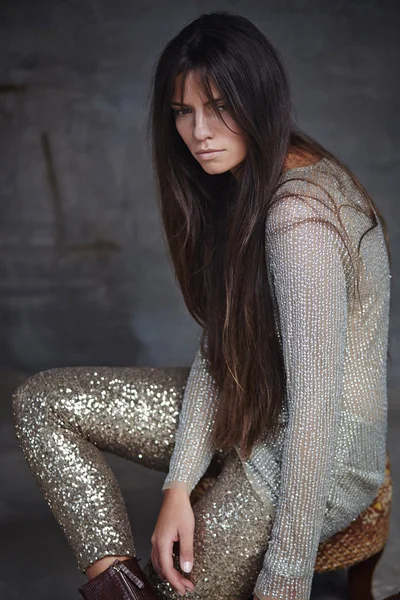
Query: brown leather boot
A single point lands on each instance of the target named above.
(122, 580)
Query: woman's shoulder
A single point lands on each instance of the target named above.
(308, 173)
(311, 195)
(323, 171)
(300, 161)
(309, 190)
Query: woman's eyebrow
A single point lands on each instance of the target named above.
(205, 103)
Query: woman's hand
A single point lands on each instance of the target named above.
(175, 523)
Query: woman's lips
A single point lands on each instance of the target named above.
(207, 155)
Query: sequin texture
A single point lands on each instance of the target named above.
(65, 417)
(232, 528)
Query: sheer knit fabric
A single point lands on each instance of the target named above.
(329, 460)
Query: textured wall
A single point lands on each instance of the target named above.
(84, 274)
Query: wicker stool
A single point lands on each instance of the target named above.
(358, 547)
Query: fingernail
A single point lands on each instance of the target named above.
(187, 566)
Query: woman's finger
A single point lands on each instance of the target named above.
(155, 561)
(172, 575)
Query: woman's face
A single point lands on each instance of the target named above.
(200, 129)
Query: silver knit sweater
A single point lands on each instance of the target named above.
(329, 460)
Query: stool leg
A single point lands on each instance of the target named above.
(360, 578)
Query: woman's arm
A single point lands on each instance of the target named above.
(310, 288)
(193, 448)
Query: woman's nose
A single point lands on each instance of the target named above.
(201, 128)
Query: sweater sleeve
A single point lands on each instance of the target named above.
(307, 266)
(193, 448)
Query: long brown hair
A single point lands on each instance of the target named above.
(214, 224)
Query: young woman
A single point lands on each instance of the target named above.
(283, 259)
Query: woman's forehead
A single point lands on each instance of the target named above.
(192, 85)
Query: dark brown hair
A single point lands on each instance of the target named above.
(215, 224)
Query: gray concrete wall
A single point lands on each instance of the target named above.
(84, 274)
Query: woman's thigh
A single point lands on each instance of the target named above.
(232, 530)
(129, 411)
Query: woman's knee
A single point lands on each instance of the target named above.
(34, 398)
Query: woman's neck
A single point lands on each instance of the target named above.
(293, 160)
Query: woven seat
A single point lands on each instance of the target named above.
(358, 547)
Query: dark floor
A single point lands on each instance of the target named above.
(37, 563)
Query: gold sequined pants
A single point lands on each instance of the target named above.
(64, 417)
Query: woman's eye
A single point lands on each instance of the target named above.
(179, 111)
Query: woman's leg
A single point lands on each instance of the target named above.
(63, 417)
(232, 531)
